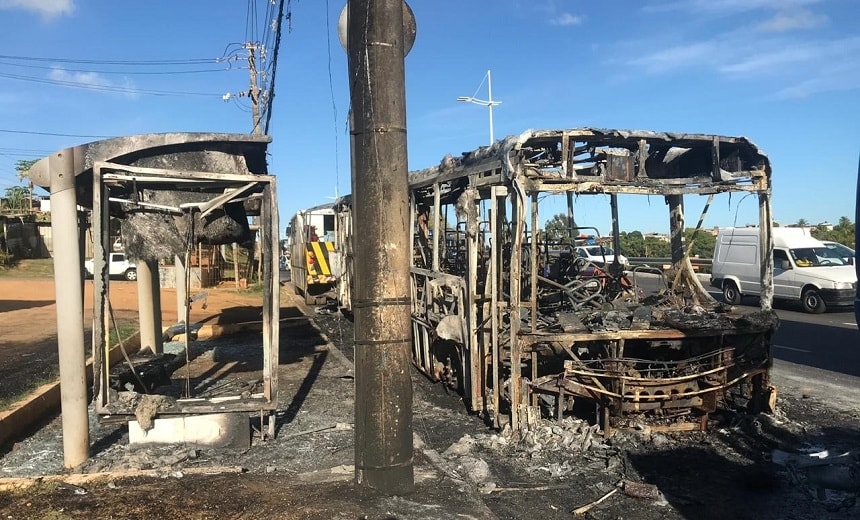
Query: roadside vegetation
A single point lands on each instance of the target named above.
(28, 268)
(638, 245)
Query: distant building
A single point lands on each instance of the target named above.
(663, 237)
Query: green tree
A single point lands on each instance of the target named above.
(843, 232)
(703, 247)
(16, 198)
(558, 228)
(22, 167)
(632, 243)
(657, 247)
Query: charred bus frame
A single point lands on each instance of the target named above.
(522, 327)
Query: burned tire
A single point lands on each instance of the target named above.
(812, 301)
(131, 275)
(731, 293)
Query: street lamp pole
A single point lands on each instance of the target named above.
(489, 103)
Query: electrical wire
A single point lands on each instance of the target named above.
(106, 88)
(275, 52)
(129, 72)
(30, 132)
(190, 61)
(333, 103)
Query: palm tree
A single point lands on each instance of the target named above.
(22, 167)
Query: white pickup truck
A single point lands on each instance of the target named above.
(118, 265)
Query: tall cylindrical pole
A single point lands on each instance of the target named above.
(149, 306)
(381, 304)
(490, 103)
(181, 278)
(70, 310)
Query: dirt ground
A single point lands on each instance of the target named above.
(463, 469)
(28, 322)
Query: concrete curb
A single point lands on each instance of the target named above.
(29, 411)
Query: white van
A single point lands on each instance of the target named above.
(804, 268)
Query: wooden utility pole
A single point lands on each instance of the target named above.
(381, 297)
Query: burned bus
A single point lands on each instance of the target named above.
(525, 328)
(313, 260)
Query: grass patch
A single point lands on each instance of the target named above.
(126, 330)
(53, 374)
(254, 288)
(29, 268)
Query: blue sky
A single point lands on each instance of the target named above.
(785, 73)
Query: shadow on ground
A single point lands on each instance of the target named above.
(15, 305)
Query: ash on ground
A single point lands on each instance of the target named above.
(546, 471)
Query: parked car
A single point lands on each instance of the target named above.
(842, 251)
(600, 255)
(118, 266)
(804, 269)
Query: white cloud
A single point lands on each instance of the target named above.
(825, 83)
(785, 57)
(47, 8)
(721, 7)
(92, 81)
(793, 68)
(677, 57)
(556, 16)
(566, 19)
(787, 21)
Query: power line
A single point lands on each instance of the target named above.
(271, 97)
(127, 72)
(190, 61)
(29, 132)
(106, 88)
(23, 150)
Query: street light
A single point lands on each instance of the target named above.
(489, 103)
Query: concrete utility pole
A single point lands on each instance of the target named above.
(383, 388)
(70, 310)
(254, 90)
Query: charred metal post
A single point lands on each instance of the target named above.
(571, 222)
(383, 401)
(149, 306)
(766, 247)
(515, 389)
(616, 231)
(439, 227)
(70, 310)
(676, 228)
